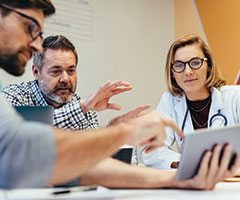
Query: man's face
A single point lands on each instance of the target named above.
(57, 79)
(16, 43)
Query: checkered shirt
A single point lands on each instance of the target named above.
(69, 116)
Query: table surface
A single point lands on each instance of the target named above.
(223, 191)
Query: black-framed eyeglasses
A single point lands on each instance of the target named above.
(33, 28)
(194, 63)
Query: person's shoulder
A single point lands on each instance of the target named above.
(230, 88)
(167, 99)
(167, 95)
(22, 85)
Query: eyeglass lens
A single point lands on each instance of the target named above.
(194, 63)
(33, 28)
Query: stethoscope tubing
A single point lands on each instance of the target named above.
(218, 114)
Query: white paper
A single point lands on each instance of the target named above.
(73, 18)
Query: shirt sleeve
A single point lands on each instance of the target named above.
(26, 156)
(71, 117)
(162, 158)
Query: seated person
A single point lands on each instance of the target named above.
(55, 72)
(196, 98)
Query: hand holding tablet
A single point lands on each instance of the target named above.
(196, 145)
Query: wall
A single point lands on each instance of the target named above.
(130, 40)
(220, 20)
(186, 19)
(217, 22)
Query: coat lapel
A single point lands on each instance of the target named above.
(180, 107)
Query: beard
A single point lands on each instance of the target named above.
(12, 64)
(52, 96)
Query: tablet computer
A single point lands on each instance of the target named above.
(42, 114)
(195, 145)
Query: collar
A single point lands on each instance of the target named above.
(217, 102)
(37, 94)
(180, 107)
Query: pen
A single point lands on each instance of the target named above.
(76, 189)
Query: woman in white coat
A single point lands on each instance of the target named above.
(196, 98)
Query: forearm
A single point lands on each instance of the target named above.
(78, 152)
(115, 174)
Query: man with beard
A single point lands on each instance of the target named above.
(55, 83)
(34, 154)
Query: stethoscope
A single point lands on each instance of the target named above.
(216, 116)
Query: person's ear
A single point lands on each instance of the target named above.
(35, 72)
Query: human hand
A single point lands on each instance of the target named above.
(100, 99)
(213, 169)
(129, 115)
(149, 130)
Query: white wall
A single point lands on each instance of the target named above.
(130, 41)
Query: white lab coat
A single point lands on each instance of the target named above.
(227, 99)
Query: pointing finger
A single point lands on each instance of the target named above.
(170, 123)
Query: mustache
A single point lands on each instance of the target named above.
(64, 86)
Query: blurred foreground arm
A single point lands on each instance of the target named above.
(121, 175)
(78, 152)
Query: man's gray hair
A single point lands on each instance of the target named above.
(57, 42)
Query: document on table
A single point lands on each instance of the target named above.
(59, 193)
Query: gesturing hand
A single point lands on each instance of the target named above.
(129, 115)
(100, 99)
(149, 130)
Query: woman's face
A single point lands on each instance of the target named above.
(192, 81)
